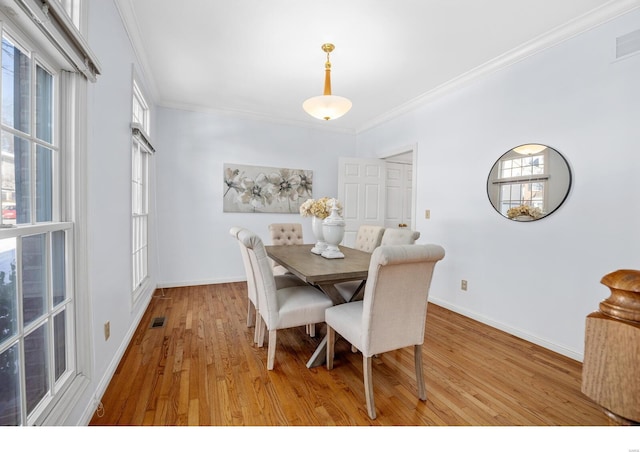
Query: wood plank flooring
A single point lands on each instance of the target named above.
(201, 368)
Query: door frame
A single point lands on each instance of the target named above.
(413, 148)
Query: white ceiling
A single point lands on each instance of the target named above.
(263, 58)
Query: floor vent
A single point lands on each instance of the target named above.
(158, 322)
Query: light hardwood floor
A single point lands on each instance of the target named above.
(201, 368)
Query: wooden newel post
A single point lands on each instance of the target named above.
(611, 368)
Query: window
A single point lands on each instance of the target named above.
(45, 362)
(141, 151)
(37, 326)
(72, 8)
(522, 181)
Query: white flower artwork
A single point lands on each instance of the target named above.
(258, 189)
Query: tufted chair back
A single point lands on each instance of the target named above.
(368, 237)
(399, 236)
(286, 234)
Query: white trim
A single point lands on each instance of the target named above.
(252, 116)
(74, 179)
(54, 23)
(525, 335)
(552, 38)
(201, 282)
(106, 377)
(130, 22)
(413, 148)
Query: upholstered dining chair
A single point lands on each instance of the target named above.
(285, 234)
(399, 236)
(252, 304)
(368, 239)
(393, 312)
(282, 308)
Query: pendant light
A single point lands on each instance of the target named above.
(529, 149)
(327, 106)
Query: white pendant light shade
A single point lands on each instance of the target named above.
(327, 107)
(529, 149)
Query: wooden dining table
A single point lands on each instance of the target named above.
(322, 273)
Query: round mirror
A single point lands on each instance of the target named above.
(529, 182)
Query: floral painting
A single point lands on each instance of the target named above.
(265, 189)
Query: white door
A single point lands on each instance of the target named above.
(399, 189)
(361, 189)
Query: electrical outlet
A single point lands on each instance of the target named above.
(107, 330)
(427, 214)
(463, 284)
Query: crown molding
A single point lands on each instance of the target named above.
(584, 23)
(130, 22)
(315, 125)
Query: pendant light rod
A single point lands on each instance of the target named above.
(328, 48)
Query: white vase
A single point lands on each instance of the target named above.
(333, 232)
(316, 227)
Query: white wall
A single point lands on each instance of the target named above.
(540, 279)
(109, 199)
(194, 242)
(194, 245)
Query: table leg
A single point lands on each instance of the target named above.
(319, 356)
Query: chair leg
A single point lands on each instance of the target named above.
(311, 329)
(417, 356)
(331, 340)
(259, 333)
(258, 328)
(250, 314)
(271, 349)
(368, 386)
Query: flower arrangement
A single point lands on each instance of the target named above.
(320, 208)
(524, 210)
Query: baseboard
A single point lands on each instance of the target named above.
(204, 282)
(508, 329)
(103, 384)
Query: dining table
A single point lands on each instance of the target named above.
(322, 273)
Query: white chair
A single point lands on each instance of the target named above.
(285, 234)
(367, 240)
(393, 312)
(252, 305)
(280, 308)
(399, 236)
(368, 237)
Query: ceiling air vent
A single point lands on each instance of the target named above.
(627, 44)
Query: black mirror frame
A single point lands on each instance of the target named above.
(564, 198)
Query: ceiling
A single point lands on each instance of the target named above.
(263, 58)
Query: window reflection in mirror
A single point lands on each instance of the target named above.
(529, 182)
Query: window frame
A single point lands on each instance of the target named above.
(521, 180)
(56, 387)
(62, 44)
(141, 153)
